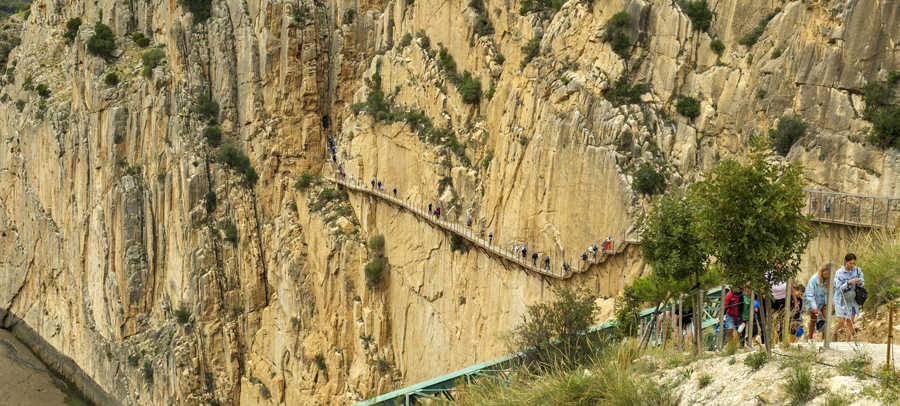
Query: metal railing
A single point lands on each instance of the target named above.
(851, 209)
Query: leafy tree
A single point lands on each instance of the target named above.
(573, 311)
(103, 42)
(700, 15)
(717, 46)
(750, 218)
(43, 90)
(405, 41)
(786, 133)
(201, 9)
(626, 311)
(231, 234)
(672, 246)
(348, 16)
(648, 180)
(617, 33)
(885, 118)
(688, 106)
(213, 136)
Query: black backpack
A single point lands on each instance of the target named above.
(861, 295)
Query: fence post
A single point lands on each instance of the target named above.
(788, 309)
(750, 327)
(721, 318)
(829, 307)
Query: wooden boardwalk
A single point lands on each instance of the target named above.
(555, 270)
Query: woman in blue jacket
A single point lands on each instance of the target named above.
(845, 283)
(815, 299)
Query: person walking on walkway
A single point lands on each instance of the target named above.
(815, 206)
(524, 252)
(853, 214)
(827, 207)
(591, 251)
(534, 258)
(595, 251)
(395, 192)
(469, 223)
(516, 249)
(351, 178)
(814, 300)
(584, 257)
(437, 212)
(547, 263)
(848, 278)
(373, 183)
(566, 266)
(429, 208)
(491, 238)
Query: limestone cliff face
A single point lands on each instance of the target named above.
(108, 234)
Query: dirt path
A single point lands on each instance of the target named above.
(24, 380)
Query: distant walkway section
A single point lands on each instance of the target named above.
(852, 209)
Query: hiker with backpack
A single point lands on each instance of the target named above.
(534, 258)
(733, 304)
(491, 238)
(547, 263)
(524, 252)
(828, 207)
(814, 300)
(848, 284)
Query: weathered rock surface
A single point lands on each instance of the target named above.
(108, 236)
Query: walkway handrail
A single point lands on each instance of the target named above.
(851, 209)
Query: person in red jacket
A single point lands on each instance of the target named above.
(733, 310)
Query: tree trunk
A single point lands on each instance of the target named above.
(697, 301)
(767, 323)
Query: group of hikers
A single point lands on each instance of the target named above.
(814, 208)
(810, 300)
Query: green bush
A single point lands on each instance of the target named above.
(201, 9)
(325, 196)
(134, 359)
(143, 42)
(700, 15)
(111, 79)
(751, 37)
(182, 315)
(72, 27)
(213, 136)
(885, 117)
(756, 360)
(206, 106)
(574, 310)
(231, 234)
(43, 90)
(424, 40)
(265, 392)
(648, 180)
(136, 36)
(621, 93)
(530, 50)
(799, 385)
(405, 41)
(103, 42)
(488, 157)
(786, 133)
(833, 399)
(376, 243)
(470, 89)
(688, 106)
(775, 54)
(232, 156)
(483, 25)
(717, 46)
(539, 6)
(250, 176)
(374, 270)
(319, 360)
(447, 63)
(489, 95)
(704, 380)
(304, 181)
(300, 14)
(151, 60)
(210, 199)
(147, 371)
(348, 16)
(617, 33)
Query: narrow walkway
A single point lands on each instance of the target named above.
(556, 269)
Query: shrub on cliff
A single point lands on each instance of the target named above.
(201, 9)
(230, 235)
(103, 42)
(304, 181)
(617, 33)
(717, 46)
(72, 27)
(786, 132)
(182, 315)
(530, 51)
(621, 93)
(111, 79)
(700, 15)
(151, 60)
(881, 111)
(539, 6)
(377, 243)
(648, 180)
(206, 106)
(213, 136)
(688, 106)
(470, 89)
(374, 270)
(752, 36)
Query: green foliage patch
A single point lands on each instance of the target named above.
(622, 93)
(700, 15)
(103, 42)
(617, 33)
(881, 111)
(648, 180)
(72, 27)
(752, 36)
(213, 136)
(539, 6)
(111, 79)
(717, 46)
(530, 51)
(688, 106)
(201, 9)
(786, 132)
(151, 60)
